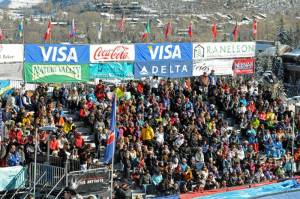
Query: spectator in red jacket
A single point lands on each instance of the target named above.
(78, 141)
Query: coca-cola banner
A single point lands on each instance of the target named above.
(244, 66)
(111, 52)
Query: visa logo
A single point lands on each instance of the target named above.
(165, 52)
(59, 54)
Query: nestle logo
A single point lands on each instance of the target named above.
(198, 51)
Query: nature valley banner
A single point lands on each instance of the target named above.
(56, 73)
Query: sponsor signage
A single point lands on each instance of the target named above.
(111, 70)
(10, 53)
(57, 73)
(244, 66)
(13, 178)
(111, 52)
(223, 50)
(57, 54)
(11, 71)
(163, 52)
(220, 66)
(173, 69)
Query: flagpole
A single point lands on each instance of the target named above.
(23, 25)
(113, 152)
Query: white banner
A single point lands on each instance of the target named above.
(223, 50)
(10, 53)
(111, 52)
(220, 66)
(12, 71)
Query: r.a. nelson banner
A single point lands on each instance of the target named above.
(58, 73)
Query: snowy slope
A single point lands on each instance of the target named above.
(17, 4)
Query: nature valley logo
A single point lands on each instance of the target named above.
(40, 71)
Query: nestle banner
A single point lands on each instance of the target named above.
(172, 69)
(220, 66)
(163, 52)
(223, 50)
(57, 54)
(111, 70)
(10, 53)
(56, 73)
(244, 66)
(111, 52)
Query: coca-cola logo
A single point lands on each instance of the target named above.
(116, 53)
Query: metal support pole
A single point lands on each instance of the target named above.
(35, 157)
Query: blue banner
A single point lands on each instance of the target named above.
(57, 54)
(172, 69)
(4, 86)
(111, 70)
(163, 52)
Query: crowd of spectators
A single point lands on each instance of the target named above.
(174, 136)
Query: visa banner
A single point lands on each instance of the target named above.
(163, 52)
(111, 70)
(244, 66)
(57, 54)
(172, 69)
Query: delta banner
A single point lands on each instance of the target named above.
(111, 70)
(56, 73)
(220, 66)
(10, 53)
(244, 66)
(57, 54)
(11, 71)
(172, 69)
(163, 59)
(111, 52)
(223, 50)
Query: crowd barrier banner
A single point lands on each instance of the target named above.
(220, 66)
(111, 70)
(163, 52)
(11, 71)
(4, 86)
(244, 66)
(12, 178)
(57, 54)
(56, 73)
(111, 52)
(255, 192)
(10, 53)
(172, 69)
(223, 50)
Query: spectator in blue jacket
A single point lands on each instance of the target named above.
(13, 158)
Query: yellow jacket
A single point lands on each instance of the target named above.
(147, 133)
(67, 127)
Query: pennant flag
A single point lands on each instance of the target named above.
(190, 30)
(48, 32)
(214, 31)
(147, 31)
(254, 29)
(235, 32)
(100, 32)
(168, 30)
(121, 24)
(1, 35)
(20, 28)
(110, 143)
(72, 32)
